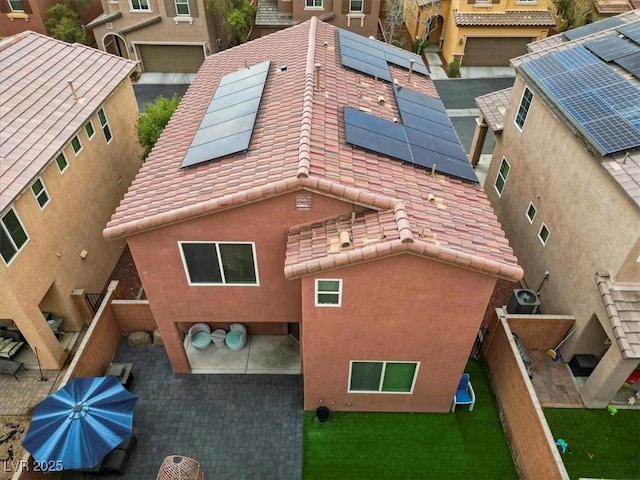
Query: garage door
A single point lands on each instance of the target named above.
(493, 51)
(171, 58)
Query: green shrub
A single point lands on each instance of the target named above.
(153, 119)
(419, 45)
(64, 24)
(453, 69)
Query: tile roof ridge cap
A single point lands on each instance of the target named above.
(12, 40)
(467, 260)
(132, 227)
(402, 219)
(304, 142)
(352, 194)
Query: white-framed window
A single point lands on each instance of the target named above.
(76, 145)
(382, 377)
(16, 5)
(88, 127)
(140, 5)
(531, 212)
(104, 124)
(315, 4)
(182, 8)
(523, 109)
(543, 234)
(328, 292)
(40, 192)
(219, 263)
(61, 161)
(501, 178)
(356, 6)
(12, 236)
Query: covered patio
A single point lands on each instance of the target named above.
(263, 354)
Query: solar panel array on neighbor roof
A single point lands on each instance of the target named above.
(601, 103)
(227, 124)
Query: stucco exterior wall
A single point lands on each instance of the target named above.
(593, 225)
(45, 272)
(276, 299)
(363, 24)
(454, 36)
(404, 308)
(164, 32)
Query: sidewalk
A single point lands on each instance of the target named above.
(158, 78)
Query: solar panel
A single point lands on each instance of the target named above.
(376, 134)
(631, 63)
(631, 30)
(612, 47)
(228, 123)
(592, 28)
(603, 105)
(372, 56)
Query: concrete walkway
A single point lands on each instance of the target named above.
(236, 426)
(438, 70)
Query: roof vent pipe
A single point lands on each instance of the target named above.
(411, 62)
(345, 239)
(73, 90)
(317, 67)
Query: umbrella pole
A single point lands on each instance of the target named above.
(42, 377)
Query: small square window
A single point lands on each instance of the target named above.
(182, 8)
(89, 129)
(501, 178)
(328, 293)
(77, 146)
(543, 234)
(355, 6)
(61, 161)
(313, 3)
(16, 5)
(531, 212)
(12, 236)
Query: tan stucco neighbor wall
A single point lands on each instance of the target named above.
(200, 31)
(593, 225)
(403, 308)
(276, 299)
(364, 24)
(45, 272)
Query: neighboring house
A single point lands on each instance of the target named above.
(68, 153)
(171, 36)
(607, 8)
(484, 33)
(384, 265)
(564, 181)
(358, 16)
(21, 15)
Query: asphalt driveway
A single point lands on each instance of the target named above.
(236, 426)
(458, 96)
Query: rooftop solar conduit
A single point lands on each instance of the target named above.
(227, 125)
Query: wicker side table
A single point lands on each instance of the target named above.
(179, 467)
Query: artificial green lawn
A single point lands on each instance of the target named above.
(613, 441)
(461, 445)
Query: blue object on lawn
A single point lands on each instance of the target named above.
(77, 426)
(464, 393)
(562, 445)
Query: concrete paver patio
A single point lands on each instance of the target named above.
(235, 426)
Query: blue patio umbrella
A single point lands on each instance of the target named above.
(80, 423)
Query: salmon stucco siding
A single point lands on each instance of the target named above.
(403, 308)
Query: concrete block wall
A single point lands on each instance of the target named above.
(532, 445)
(134, 315)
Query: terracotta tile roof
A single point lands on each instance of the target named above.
(39, 113)
(622, 303)
(493, 105)
(298, 143)
(510, 18)
(267, 15)
(609, 7)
